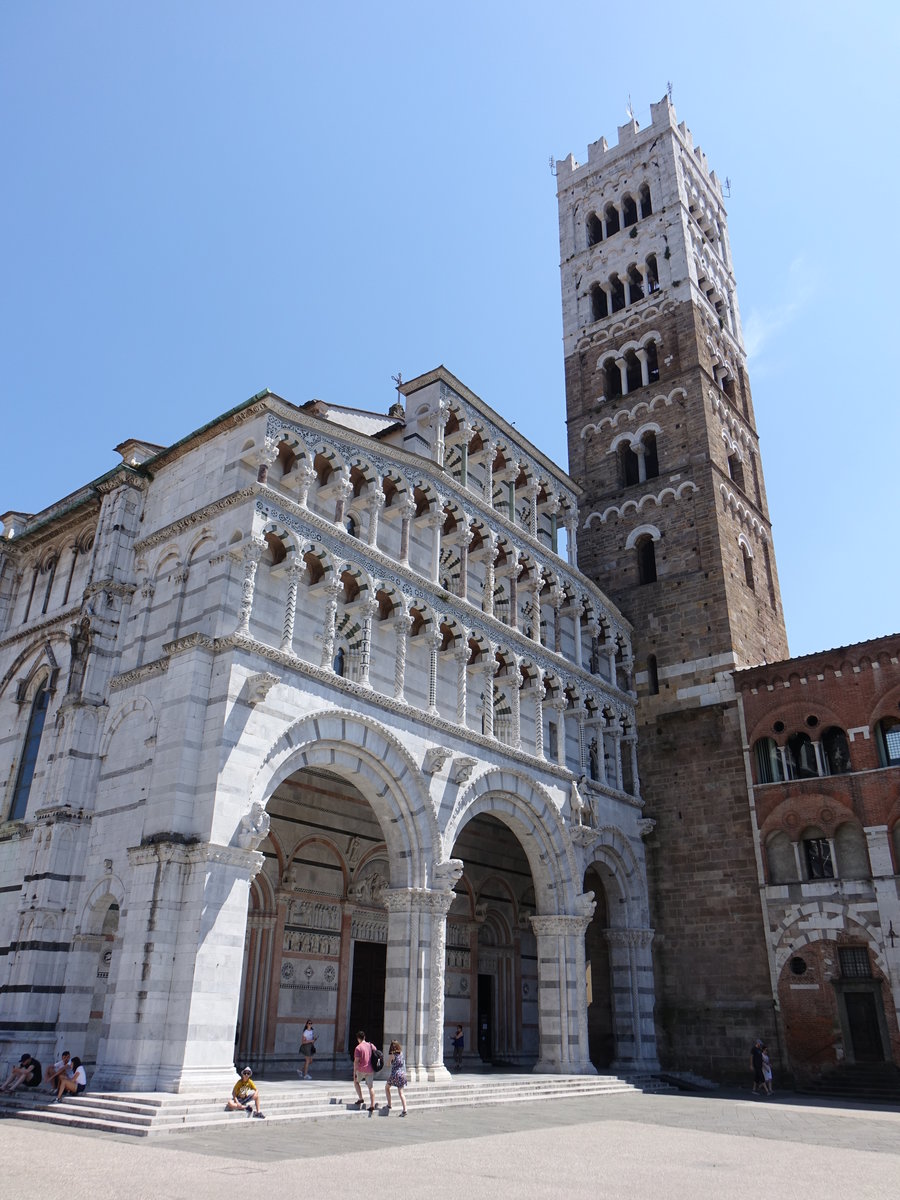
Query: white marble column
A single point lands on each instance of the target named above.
(461, 656)
(253, 552)
(402, 627)
(333, 589)
(368, 610)
(562, 993)
(294, 571)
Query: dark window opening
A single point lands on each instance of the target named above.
(888, 732)
(628, 462)
(629, 212)
(836, 749)
(728, 387)
(651, 457)
(611, 213)
(652, 274)
(613, 379)
(633, 372)
(855, 962)
(768, 762)
(339, 662)
(599, 307)
(736, 470)
(652, 676)
(801, 757)
(798, 966)
(617, 293)
(30, 753)
(594, 230)
(635, 286)
(646, 203)
(748, 568)
(818, 858)
(652, 362)
(646, 557)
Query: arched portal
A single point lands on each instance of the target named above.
(598, 971)
(491, 986)
(317, 929)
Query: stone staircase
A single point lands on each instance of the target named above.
(875, 1083)
(138, 1114)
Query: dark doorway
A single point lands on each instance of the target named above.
(486, 1017)
(367, 993)
(865, 1031)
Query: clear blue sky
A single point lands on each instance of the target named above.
(202, 199)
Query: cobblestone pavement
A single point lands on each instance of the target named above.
(682, 1147)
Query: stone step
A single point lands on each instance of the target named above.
(142, 1114)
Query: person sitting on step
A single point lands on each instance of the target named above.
(245, 1095)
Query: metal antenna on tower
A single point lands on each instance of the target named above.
(629, 109)
(552, 167)
(727, 188)
(669, 90)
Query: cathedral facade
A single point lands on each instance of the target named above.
(312, 715)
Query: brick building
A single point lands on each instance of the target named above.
(823, 755)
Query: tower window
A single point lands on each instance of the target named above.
(613, 378)
(646, 559)
(633, 373)
(748, 568)
(652, 274)
(629, 212)
(635, 285)
(652, 676)
(30, 753)
(594, 230)
(646, 204)
(599, 306)
(888, 735)
(855, 962)
(651, 457)
(628, 464)
(617, 292)
(652, 362)
(611, 213)
(736, 469)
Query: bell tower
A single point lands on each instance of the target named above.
(675, 529)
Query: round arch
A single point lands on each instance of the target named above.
(373, 759)
(528, 811)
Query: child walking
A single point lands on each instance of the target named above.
(397, 1077)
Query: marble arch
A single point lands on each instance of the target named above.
(528, 811)
(369, 755)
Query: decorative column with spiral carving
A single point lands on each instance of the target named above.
(295, 570)
(333, 589)
(253, 552)
(402, 626)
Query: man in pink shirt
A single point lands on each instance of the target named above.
(362, 1070)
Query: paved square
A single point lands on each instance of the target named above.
(676, 1146)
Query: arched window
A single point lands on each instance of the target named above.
(652, 274)
(646, 203)
(611, 213)
(629, 212)
(652, 363)
(599, 306)
(768, 762)
(817, 854)
(613, 376)
(352, 526)
(617, 293)
(748, 567)
(836, 750)
(736, 469)
(30, 752)
(633, 372)
(651, 457)
(646, 559)
(628, 465)
(339, 662)
(635, 285)
(801, 756)
(594, 230)
(888, 735)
